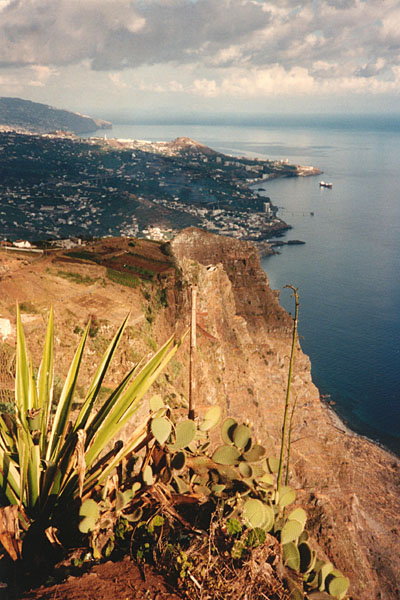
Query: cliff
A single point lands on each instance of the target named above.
(348, 485)
(40, 118)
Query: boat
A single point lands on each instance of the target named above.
(325, 184)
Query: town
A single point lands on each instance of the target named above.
(58, 186)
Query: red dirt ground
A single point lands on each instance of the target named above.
(109, 581)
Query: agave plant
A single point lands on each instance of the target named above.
(48, 462)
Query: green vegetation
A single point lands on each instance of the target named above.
(48, 466)
(28, 307)
(201, 518)
(146, 257)
(83, 254)
(122, 278)
(77, 277)
(24, 307)
(143, 271)
(207, 516)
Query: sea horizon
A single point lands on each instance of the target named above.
(364, 121)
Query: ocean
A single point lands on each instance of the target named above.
(348, 271)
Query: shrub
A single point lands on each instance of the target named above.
(47, 464)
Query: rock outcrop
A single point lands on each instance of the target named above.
(349, 486)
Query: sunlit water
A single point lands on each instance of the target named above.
(348, 272)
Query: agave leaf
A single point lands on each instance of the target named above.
(22, 371)
(99, 418)
(116, 407)
(9, 478)
(33, 476)
(23, 460)
(99, 377)
(127, 403)
(33, 398)
(64, 405)
(100, 473)
(45, 380)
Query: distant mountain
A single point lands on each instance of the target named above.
(41, 118)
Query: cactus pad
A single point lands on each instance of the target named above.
(241, 436)
(255, 453)
(228, 427)
(298, 514)
(287, 496)
(226, 455)
(273, 464)
(147, 475)
(185, 433)
(337, 586)
(258, 514)
(178, 461)
(156, 403)
(291, 556)
(245, 470)
(161, 429)
(307, 557)
(291, 531)
(89, 513)
(211, 418)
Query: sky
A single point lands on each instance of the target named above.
(177, 58)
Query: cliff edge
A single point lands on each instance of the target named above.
(349, 486)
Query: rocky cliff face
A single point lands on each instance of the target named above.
(349, 486)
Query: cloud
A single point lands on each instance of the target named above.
(115, 78)
(276, 82)
(227, 44)
(205, 87)
(122, 33)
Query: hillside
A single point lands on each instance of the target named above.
(349, 486)
(40, 118)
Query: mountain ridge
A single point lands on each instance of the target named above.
(36, 117)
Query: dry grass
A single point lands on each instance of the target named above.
(206, 570)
